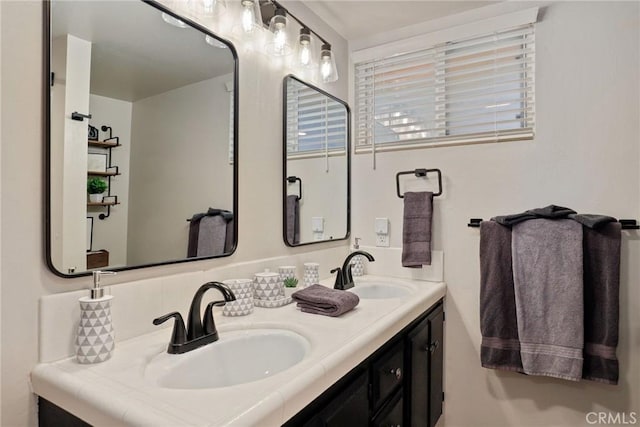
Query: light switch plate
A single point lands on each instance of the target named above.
(317, 224)
(381, 226)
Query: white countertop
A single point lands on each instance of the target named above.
(116, 393)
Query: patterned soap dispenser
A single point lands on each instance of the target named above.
(357, 262)
(95, 339)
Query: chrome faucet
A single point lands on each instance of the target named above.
(198, 332)
(344, 278)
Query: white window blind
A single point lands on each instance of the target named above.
(315, 123)
(479, 89)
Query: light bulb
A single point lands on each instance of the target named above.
(248, 16)
(328, 71)
(280, 38)
(304, 48)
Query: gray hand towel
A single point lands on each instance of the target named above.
(293, 219)
(592, 221)
(212, 235)
(601, 302)
(318, 299)
(550, 212)
(548, 281)
(416, 229)
(500, 344)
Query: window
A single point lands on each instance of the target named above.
(479, 89)
(316, 124)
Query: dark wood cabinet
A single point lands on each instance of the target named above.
(424, 345)
(398, 385)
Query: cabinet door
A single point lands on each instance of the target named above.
(425, 358)
(391, 414)
(436, 361)
(350, 407)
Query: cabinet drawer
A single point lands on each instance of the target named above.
(391, 414)
(387, 374)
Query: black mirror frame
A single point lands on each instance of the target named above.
(46, 96)
(284, 161)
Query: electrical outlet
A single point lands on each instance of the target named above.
(382, 240)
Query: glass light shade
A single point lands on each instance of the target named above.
(251, 18)
(215, 42)
(328, 70)
(304, 50)
(278, 44)
(207, 8)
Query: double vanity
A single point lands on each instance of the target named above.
(379, 363)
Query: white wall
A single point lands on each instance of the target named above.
(180, 167)
(111, 233)
(24, 274)
(585, 156)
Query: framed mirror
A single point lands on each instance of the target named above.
(141, 109)
(317, 165)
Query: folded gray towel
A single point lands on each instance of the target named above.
(601, 302)
(318, 299)
(500, 344)
(547, 272)
(592, 221)
(550, 212)
(293, 219)
(416, 229)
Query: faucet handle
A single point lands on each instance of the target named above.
(339, 283)
(179, 334)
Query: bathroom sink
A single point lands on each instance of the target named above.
(379, 290)
(238, 357)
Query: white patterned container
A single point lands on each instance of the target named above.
(268, 286)
(311, 274)
(243, 305)
(95, 339)
(357, 266)
(287, 272)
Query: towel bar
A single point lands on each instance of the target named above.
(627, 224)
(419, 173)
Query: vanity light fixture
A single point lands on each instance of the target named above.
(251, 17)
(328, 70)
(275, 17)
(279, 43)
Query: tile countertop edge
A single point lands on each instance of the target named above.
(62, 388)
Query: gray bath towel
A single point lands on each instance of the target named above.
(500, 344)
(550, 212)
(212, 236)
(293, 219)
(547, 272)
(318, 299)
(416, 229)
(591, 220)
(601, 302)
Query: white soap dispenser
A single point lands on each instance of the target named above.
(357, 262)
(95, 339)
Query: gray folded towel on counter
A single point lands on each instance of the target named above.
(500, 347)
(548, 283)
(601, 303)
(592, 220)
(318, 299)
(416, 229)
(549, 212)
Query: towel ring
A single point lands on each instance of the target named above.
(292, 180)
(419, 173)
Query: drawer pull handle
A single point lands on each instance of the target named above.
(397, 372)
(433, 346)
